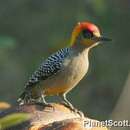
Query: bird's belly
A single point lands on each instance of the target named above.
(66, 79)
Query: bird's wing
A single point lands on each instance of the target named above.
(49, 67)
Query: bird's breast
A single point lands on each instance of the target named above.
(73, 70)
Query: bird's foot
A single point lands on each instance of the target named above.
(70, 106)
(73, 109)
(43, 103)
(80, 113)
(40, 102)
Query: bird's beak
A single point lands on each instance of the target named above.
(101, 38)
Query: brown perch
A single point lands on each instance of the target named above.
(58, 117)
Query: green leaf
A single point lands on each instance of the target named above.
(13, 119)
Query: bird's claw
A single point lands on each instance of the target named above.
(80, 113)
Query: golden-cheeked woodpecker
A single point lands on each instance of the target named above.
(63, 70)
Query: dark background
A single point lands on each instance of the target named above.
(30, 30)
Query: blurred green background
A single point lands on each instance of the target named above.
(30, 30)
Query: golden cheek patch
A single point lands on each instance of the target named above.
(87, 42)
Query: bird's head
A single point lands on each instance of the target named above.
(88, 34)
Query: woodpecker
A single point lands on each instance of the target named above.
(64, 69)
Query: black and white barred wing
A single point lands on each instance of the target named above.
(49, 67)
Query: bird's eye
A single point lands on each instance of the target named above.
(87, 34)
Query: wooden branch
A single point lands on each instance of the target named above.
(58, 117)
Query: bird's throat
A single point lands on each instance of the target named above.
(81, 49)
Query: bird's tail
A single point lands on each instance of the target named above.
(24, 98)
